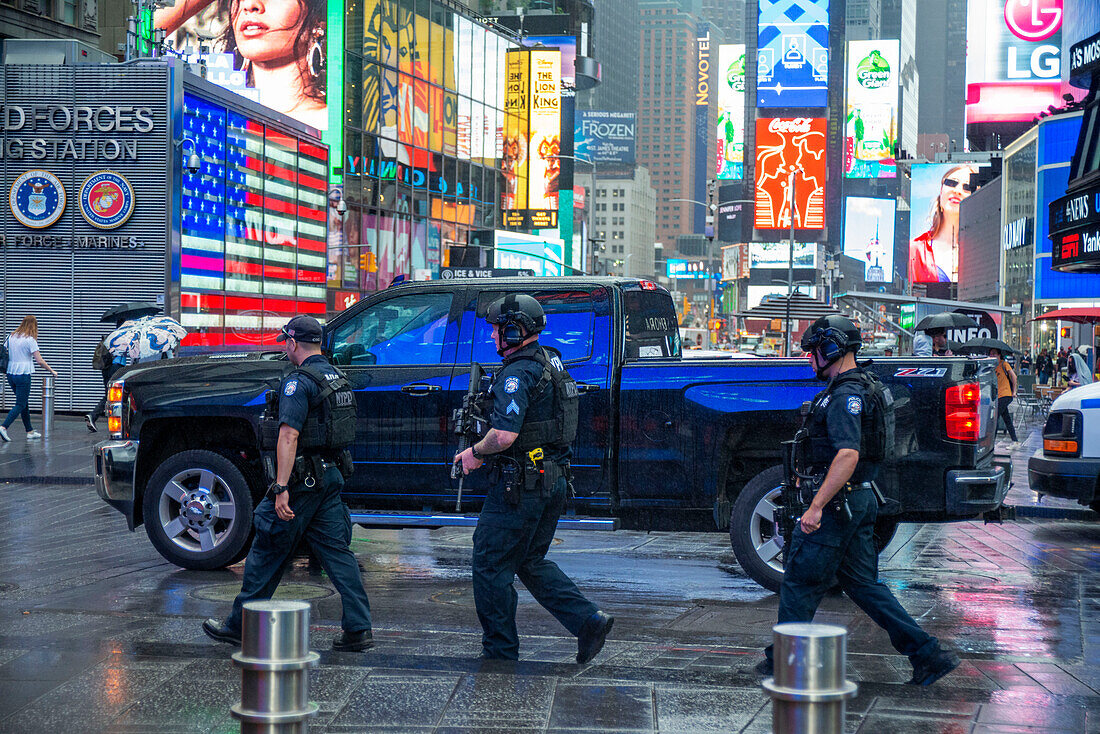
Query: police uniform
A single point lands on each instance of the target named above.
(320, 515)
(843, 549)
(514, 533)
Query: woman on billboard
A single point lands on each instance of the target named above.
(933, 256)
(278, 44)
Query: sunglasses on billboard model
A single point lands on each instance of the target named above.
(952, 183)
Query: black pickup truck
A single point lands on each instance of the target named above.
(665, 441)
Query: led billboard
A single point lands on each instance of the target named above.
(785, 146)
(238, 44)
(540, 255)
(1013, 59)
(604, 137)
(532, 139)
(687, 269)
(871, 130)
(777, 255)
(869, 236)
(792, 55)
(937, 192)
(731, 112)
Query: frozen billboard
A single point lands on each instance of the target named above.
(869, 236)
(604, 137)
(938, 190)
(871, 129)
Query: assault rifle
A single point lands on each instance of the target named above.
(793, 503)
(470, 424)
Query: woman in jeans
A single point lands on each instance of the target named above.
(22, 354)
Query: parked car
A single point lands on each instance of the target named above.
(1068, 464)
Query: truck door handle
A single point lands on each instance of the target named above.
(585, 387)
(420, 389)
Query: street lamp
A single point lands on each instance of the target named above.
(589, 206)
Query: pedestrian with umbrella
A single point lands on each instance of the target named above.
(145, 339)
(1006, 378)
(103, 361)
(936, 326)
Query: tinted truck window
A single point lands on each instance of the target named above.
(651, 328)
(569, 318)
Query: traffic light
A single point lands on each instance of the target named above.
(1066, 332)
(367, 262)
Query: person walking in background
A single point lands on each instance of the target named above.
(22, 354)
(1060, 366)
(1025, 364)
(1044, 366)
(103, 362)
(1082, 374)
(1006, 390)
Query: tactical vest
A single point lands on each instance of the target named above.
(876, 421)
(561, 429)
(330, 422)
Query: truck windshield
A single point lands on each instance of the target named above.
(651, 328)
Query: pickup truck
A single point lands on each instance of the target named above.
(1068, 464)
(665, 441)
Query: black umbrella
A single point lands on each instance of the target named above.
(130, 310)
(985, 343)
(946, 320)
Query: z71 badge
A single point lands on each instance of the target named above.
(921, 372)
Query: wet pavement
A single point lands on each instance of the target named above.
(98, 633)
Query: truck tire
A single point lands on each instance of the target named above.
(198, 510)
(756, 541)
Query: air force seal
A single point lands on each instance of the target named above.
(106, 199)
(37, 199)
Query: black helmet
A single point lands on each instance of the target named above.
(832, 337)
(518, 315)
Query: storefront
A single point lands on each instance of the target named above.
(99, 210)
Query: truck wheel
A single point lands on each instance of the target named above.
(754, 536)
(198, 510)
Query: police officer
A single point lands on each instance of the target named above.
(316, 420)
(827, 544)
(533, 421)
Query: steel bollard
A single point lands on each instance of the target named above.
(275, 660)
(47, 404)
(809, 690)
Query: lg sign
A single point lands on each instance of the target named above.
(1033, 20)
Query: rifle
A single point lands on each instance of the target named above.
(468, 423)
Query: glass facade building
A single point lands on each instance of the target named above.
(423, 144)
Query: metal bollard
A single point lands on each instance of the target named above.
(47, 404)
(275, 660)
(809, 690)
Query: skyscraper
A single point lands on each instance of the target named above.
(941, 62)
(615, 29)
(671, 79)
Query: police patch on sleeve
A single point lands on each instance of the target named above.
(855, 404)
(511, 385)
(290, 387)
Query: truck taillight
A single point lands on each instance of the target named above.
(114, 408)
(962, 408)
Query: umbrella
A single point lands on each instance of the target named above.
(1075, 315)
(129, 310)
(149, 336)
(946, 320)
(985, 343)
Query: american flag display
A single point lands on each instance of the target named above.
(253, 228)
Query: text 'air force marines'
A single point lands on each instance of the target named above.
(533, 421)
(309, 424)
(842, 444)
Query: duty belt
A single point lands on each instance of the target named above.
(858, 485)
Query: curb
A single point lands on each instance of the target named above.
(68, 480)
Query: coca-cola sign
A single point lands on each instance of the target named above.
(785, 146)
